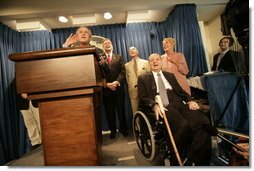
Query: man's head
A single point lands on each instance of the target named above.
(168, 44)
(84, 35)
(133, 52)
(107, 45)
(155, 62)
(225, 43)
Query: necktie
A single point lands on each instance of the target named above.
(218, 61)
(135, 66)
(162, 91)
(109, 59)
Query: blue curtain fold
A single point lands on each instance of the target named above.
(181, 24)
(13, 135)
(10, 126)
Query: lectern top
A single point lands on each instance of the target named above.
(51, 53)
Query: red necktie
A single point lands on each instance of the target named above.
(109, 59)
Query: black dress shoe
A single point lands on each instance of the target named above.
(35, 146)
(112, 135)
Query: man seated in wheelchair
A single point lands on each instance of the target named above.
(182, 113)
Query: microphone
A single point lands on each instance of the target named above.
(213, 131)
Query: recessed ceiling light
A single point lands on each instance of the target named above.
(63, 19)
(107, 15)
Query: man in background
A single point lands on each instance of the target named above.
(227, 60)
(114, 91)
(30, 112)
(134, 68)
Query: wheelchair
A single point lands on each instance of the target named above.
(152, 138)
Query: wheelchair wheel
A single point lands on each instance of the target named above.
(144, 136)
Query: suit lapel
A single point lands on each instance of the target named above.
(151, 82)
(114, 58)
(169, 79)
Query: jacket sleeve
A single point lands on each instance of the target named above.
(182, 65)
(121, 76)
(101, 53)
(214, 63)
(144, 94)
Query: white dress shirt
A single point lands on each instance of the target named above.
(165, 81)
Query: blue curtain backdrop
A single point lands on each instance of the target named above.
(181, 24)
(188, 37)
(13, 135)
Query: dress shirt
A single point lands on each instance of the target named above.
(166, 83)
(220, 58)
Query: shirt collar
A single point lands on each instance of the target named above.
(225, 51)
(155, 73)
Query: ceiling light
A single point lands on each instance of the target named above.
(107, 15)
(63, 19)
(31, 25)
(138, 16)
(85, 19)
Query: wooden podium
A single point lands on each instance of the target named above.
(67, 84)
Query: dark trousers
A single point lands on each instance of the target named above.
(115, 103)
(187, 128)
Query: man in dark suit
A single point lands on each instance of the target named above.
(185, 120)
(113, 92)
(227, 60)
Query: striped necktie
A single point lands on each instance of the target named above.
(135, 66)
(109, 59)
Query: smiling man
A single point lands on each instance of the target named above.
(227, 59)
(182, 112)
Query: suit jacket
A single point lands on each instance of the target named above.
(227, 63)
(100, 53)
(147, 90)
(180, 70)
(131, 78)
(117, 73)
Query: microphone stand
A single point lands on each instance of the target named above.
(233, 144)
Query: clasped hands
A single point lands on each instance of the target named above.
(113, 85)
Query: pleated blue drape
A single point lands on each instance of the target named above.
(181, 24)
(13, 135)
(12, 130)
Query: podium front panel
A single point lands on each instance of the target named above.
(69, 134)
(62, 73)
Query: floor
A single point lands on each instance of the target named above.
(113, 153)
(121, 151)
